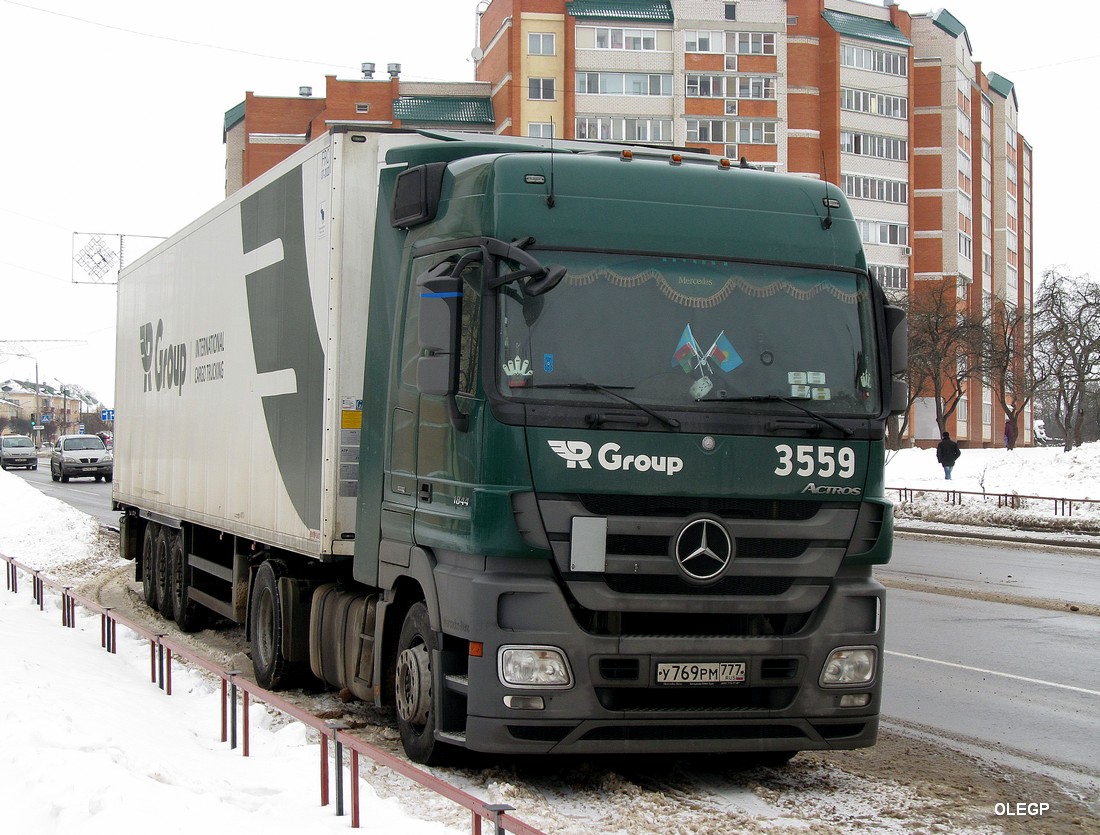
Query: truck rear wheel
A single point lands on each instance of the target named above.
(273, 670)
(165, 592)
(149, 565)
(190, 616)
(416, 717)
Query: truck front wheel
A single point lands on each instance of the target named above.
(416, 719)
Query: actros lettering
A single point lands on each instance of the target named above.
(579, 454)
(831, 490)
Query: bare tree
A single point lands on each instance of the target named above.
(1009, 366)
(1067, 344)
(945, 342)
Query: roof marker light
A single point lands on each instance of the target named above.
(724, 164)
(626, 155)
(675, 159)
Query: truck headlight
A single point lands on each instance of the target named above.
(848, 666)
(533, 667)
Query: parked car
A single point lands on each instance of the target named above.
(18, 451)
(80, 456)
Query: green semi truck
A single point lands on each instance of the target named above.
(554, 447)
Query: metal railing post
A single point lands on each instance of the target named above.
(233, 709)
(498, 809)
(336, 727)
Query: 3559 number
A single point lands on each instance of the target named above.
(818, 461)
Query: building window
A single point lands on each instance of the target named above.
(756, 133)
(750, 43)
(966, 247)
(697, 41)
(875, 60)
(706, 130)
(873, 145)
(540, 89)
(875, 188)
(865, 101)
(891, 277)
(540, 43)
(755, 87)
(629, 39)
(624, 84)
(706, 86)
(540, 130)
(881, 232)
(624, 128)
(362, 107)
(731, 11)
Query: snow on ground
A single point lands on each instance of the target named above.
(1046, 472)
(91, 745)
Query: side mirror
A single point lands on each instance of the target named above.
(899, 396)
(897, 335)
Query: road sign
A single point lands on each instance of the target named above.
(81, 430)
(107, 414)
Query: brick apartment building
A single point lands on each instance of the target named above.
(262, 131)
(889, 105)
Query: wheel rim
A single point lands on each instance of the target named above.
(265, 622)
(413, 685)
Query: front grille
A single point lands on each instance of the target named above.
(672, 584)
(626, 545)
(695, 699)
(680, 732)
(603, 504)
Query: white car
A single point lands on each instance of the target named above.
(18, 451)
(80, 456)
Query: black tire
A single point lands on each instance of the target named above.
(413, 690)
(163, 563)
(64, 476)
(265, 622)
(33, 467)
(149, 565)
(773, 759)
(190, 616)
(109, 477)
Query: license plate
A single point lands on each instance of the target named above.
(710, 672)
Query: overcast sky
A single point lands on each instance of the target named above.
(113, 114)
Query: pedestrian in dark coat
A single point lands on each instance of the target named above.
(947, 453)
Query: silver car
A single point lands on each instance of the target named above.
(80, 456)
(18, 451)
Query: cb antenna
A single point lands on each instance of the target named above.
(550, 197)
(827, 221)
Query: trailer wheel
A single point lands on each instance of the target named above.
(190, 616)
(149, 565)
(165, 593)
(273, 671)
(416, 717)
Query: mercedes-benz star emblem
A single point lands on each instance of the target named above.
(703, 550)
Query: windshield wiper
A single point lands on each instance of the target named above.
(671, 423)
(790, 401)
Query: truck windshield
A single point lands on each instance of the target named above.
(690, 333)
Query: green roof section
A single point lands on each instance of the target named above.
(1002, 86)
(866, 28)
(952, 26)
(444, 109)
(233, 115)
(650, 11)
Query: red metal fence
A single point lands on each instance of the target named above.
(1062, 506)
(162, 647)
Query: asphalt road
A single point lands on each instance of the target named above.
(86, 494)
(1014, 683)
(1050, 573)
